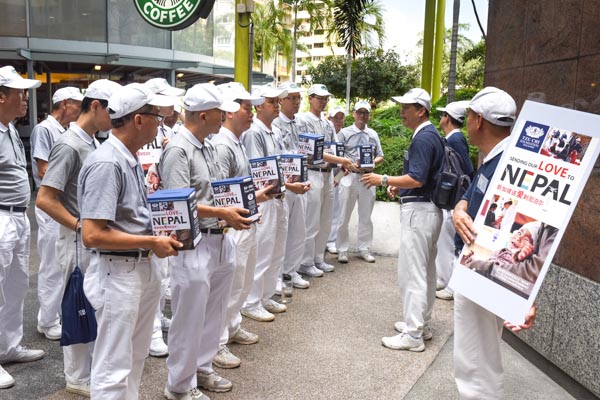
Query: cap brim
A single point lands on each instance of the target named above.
(160, 100)
(404, 100)
(78, 97)
(322, 93)
(172, 91)
(442, 109)
(24, 84)
(229, 106)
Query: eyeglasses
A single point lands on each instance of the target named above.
(321, 98)
(159, 117)
(362, 113)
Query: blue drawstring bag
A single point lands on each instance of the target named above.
(78, 315)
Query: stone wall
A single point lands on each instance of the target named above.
(550, 51)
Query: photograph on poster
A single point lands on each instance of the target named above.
(564, 145)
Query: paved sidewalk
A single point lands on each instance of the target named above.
(327, 346)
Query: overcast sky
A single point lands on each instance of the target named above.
(404, 20)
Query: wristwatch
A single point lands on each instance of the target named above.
(384, 180)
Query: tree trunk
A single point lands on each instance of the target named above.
(453, 46)
(348, 80)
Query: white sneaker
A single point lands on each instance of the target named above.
(23, 355)
(51, 332)
(310, 270)
(193, 394)
(368, 257)
(427, 334)
(82, 389)
(343, 257)
(226, 359)
(298, 282)
(6, 380)
(323, 266)
(444, 294)
(165, 323)
(158, 347)
(331, 249)
(242, 336)
(258, 314)
(274, 307)
(213, 382)
(403, 341)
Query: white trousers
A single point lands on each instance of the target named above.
(351, 191)
(420, 225)
(477, 358)
(243, 279)
(445, 257)
(271, 235)
(50, 276)
(200, 287)
(296, 233)
(335, 218)
(163, 272)
(14, 279)
(319, 210)
(124, 292)
(77, 357)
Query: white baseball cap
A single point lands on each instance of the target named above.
(362, 104)
(161, 86)
(235, 91)
(11, 79)
(337, 109)
(456, 109)
(102, 89)
(206, 96)
(415, 96)
(291, 87)
(67, 93)
(177, 107)
(133, 97)
(269, 91)
(495, 106)
(318, 89)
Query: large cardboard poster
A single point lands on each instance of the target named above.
(527, 206)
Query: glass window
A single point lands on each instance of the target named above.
(12, 18)
(126, 26)
(68, 19)
(196, 38)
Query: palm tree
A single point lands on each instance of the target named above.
(271, 35)
(356, 22)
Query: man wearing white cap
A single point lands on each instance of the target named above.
(234, 163)
(351, 190)
(295, 199)
(201, 278)
(58, 198)
(319, 206)
(263, 140)
(120, 283)
(477, 332)
(451, 120)
(337, 117)
(65, 109)
(15, 194)
(420, 221)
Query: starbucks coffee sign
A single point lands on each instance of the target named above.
(173, 14)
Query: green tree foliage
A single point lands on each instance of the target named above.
(377, 76)
(270, 33)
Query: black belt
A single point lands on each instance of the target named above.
(320, 169)
(216, 231)
(414, 199)
(129, 254)
(13, 208)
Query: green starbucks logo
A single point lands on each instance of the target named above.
(173, 14)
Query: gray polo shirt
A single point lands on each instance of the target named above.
(111, 188)
(14, 181)
(185, 163)
(351, 136)
(316, 125)
(66, 158)
(261, 141)
(43, 137)
(290, 130)
(232, 154)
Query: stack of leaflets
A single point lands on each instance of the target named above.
(366, 153)
(267, 171)
(236, 192)
(174, 213)
(295, 168)
(312, 146)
